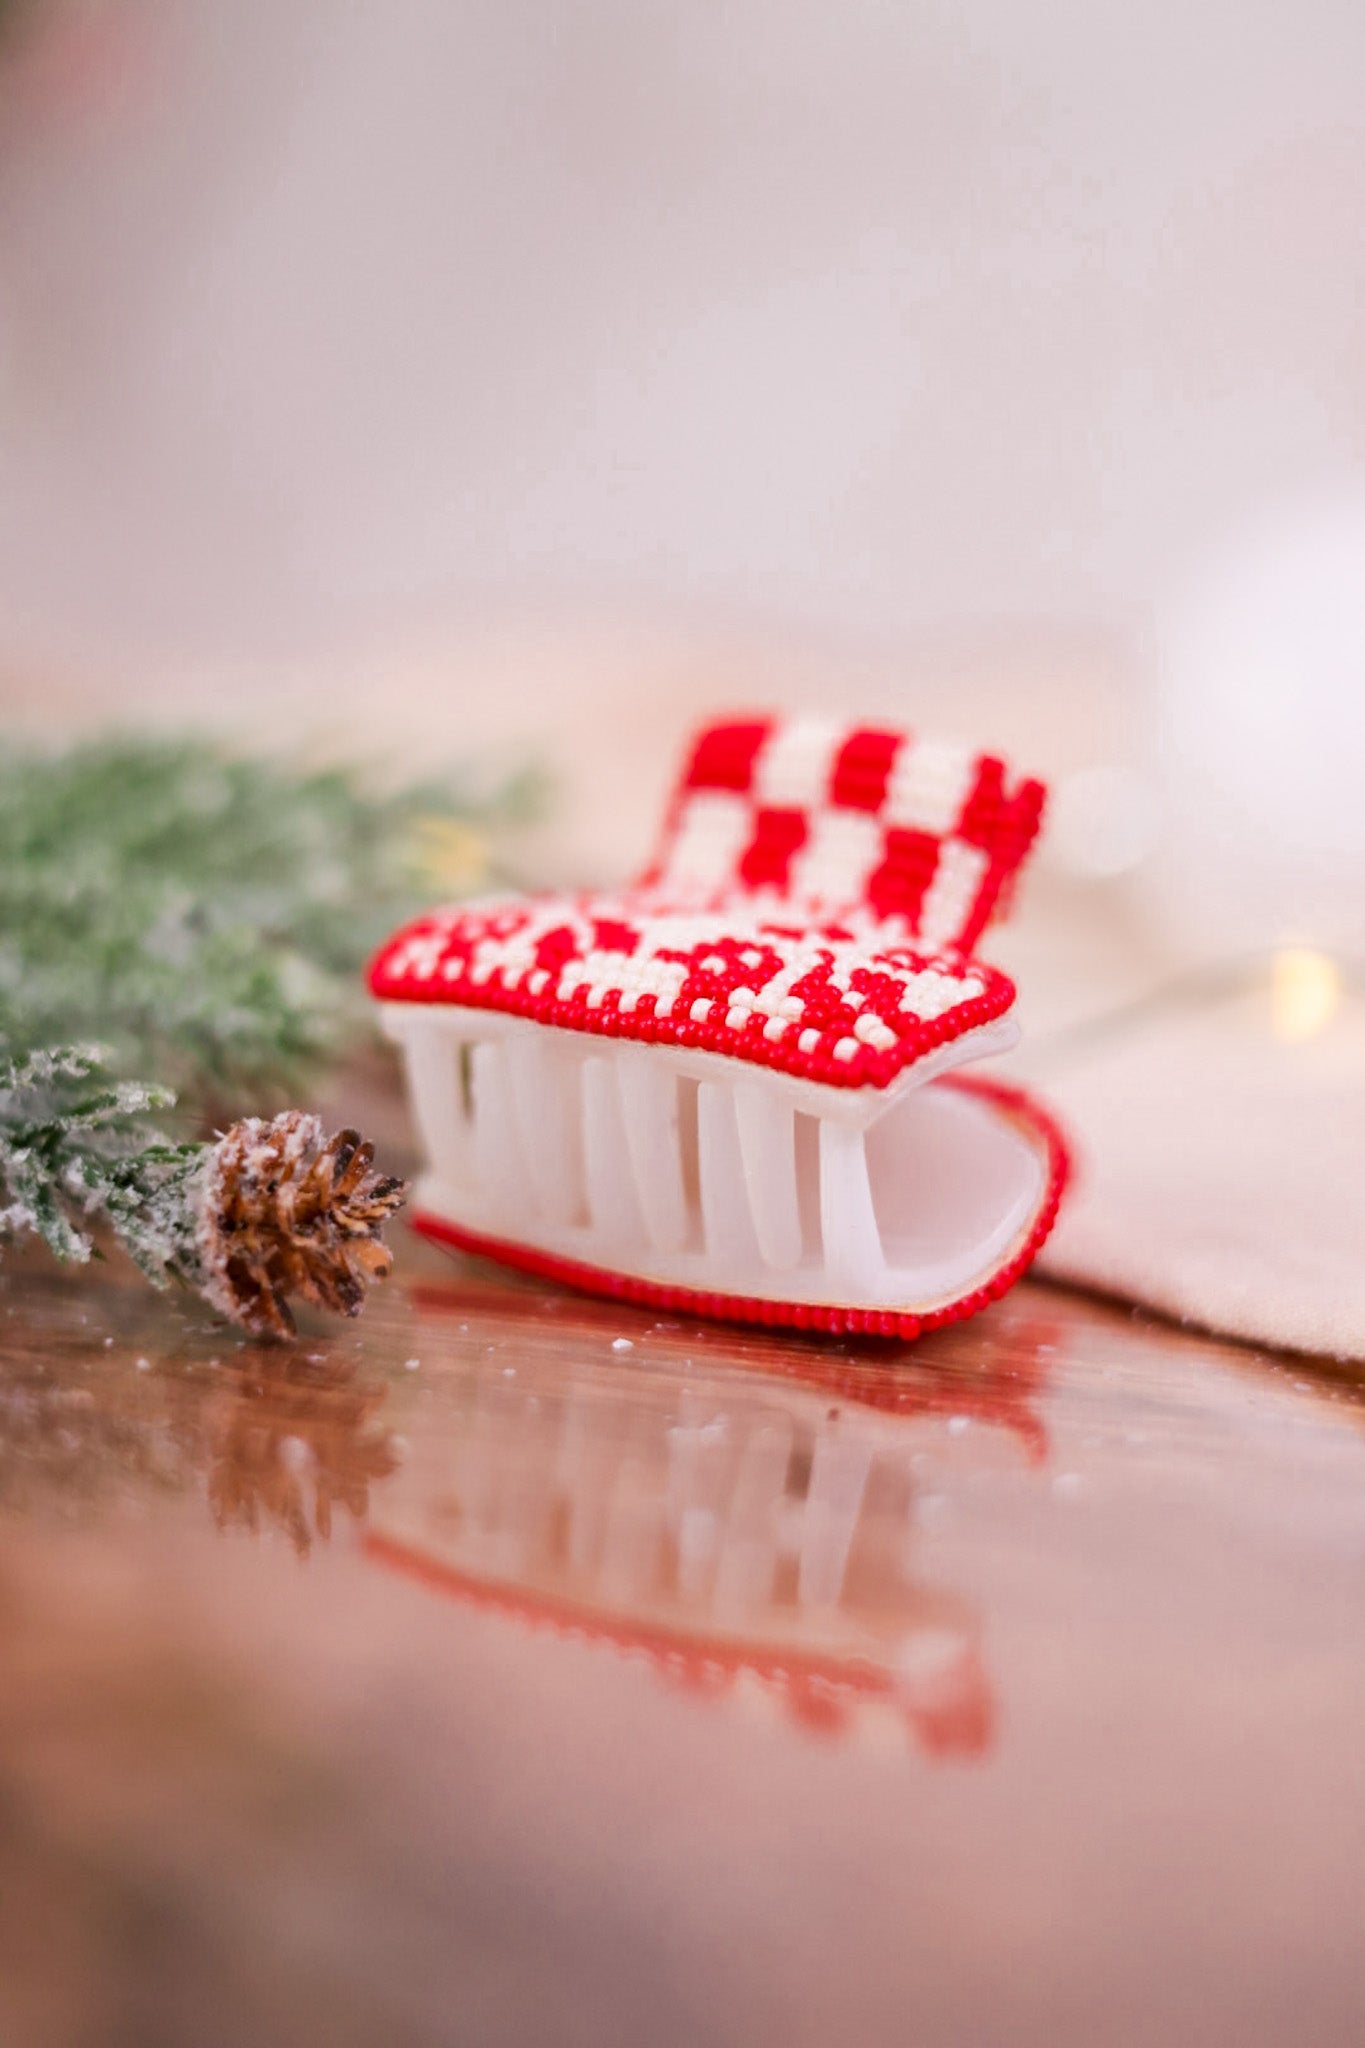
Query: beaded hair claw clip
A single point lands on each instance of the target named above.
(731, 1087)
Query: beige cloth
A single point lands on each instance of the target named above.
(1221, 1172)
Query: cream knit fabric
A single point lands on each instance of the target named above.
(1220, 1173)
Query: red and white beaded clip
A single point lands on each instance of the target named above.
(727, 1088)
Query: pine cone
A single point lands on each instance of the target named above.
(284, 1211)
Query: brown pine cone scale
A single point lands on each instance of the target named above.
(284, 1211)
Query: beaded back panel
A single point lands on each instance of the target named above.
(835, 818)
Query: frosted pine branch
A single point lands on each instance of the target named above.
(207, 917)
(269, 1210)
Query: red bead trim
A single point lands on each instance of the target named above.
(814, 1316)
(1004, 827)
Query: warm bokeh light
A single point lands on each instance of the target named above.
(1305, 992)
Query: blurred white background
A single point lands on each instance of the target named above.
(487, 370)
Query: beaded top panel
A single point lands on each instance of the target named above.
(845, 1004)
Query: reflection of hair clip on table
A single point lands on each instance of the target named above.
(746, 1534)
(729, 1088)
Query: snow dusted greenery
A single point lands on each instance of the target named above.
(206, 918)
(269, 1210)
(77, 1153)
(167, 908)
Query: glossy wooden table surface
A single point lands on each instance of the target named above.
(510, 1668)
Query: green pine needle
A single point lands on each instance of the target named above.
(76, 1153)
(204, 917)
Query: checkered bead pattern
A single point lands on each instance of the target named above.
(810, 911)
(833, 818)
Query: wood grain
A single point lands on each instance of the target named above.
(510, 1667)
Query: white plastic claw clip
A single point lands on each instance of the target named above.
(731, 1088)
